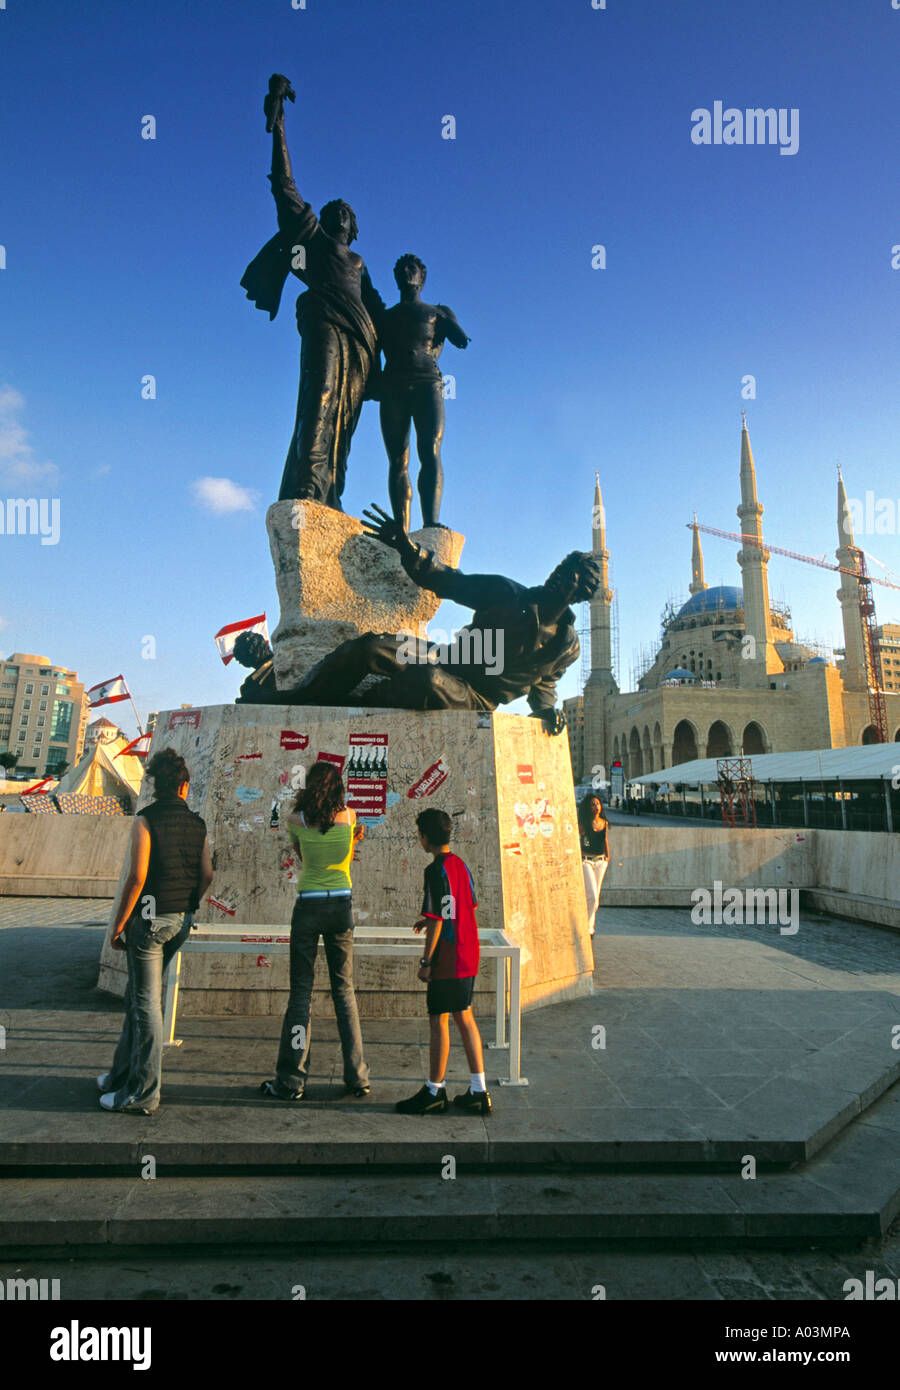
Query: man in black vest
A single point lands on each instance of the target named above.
(170, 870)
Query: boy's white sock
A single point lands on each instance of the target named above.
(476, 1081)
(434, 1086)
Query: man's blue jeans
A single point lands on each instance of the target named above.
(136, 1074)
(332, 919)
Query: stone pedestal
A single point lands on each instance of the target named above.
(335, 582)
(505, 782)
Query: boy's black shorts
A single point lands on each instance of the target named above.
(450, 996)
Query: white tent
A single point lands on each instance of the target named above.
(101, 773)
(864, 762)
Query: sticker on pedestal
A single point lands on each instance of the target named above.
(430, 780)
(367, 770)
(223, 907)
(292, 741)
(185, 716)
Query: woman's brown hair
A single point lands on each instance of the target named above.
(322, 797)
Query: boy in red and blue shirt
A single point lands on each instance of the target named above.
(449, 965)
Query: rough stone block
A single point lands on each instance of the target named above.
(335, 582)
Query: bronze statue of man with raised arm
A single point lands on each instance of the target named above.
(338, 318)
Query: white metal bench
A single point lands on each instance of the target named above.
(248, 939)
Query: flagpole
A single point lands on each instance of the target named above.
(139, 724)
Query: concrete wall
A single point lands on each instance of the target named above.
(851, 873)
(61, 856)
(858, 875)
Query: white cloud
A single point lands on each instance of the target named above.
(17, 458)
(221, 495)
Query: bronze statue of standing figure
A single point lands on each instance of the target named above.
(412, 335)
(338, 318)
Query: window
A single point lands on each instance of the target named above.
(62, 690)
(41, 706)
(35, 752)
(61, 728)
(20, 737)
(9, 685)
(23, 719)
(41, 720)
(29, 689)
(12, 670)
(26, 704)
(45, 690)
(45, 671)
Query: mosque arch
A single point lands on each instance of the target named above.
(635, 761)
(754, 740)
(869, 734)
(719, 740)
(897, 736)
(648, 751)
(684, 742)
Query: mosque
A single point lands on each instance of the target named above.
(729, 677)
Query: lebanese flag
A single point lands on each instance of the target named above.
(108, 692)
(228, 635)
(138, 747)
(39, 788)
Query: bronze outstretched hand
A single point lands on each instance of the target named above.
(273, 105)
(385, 529)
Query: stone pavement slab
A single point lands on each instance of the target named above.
(697, 1042)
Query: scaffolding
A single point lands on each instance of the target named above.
(734, 777)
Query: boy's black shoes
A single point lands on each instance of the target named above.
(474, 1102)
(276, 1091)
(423, 1103)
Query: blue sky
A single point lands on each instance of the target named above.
(573, 128)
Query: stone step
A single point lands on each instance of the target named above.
(782, 1122)
(849, 1192)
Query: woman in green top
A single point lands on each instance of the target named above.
(324, 832)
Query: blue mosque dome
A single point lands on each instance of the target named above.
(680, 674)
(724, 598)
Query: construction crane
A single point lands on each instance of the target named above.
(864, 581)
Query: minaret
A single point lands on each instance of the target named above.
(601, 683)
(698, 583)
(601, 604)
(853, 670)
(759, 657)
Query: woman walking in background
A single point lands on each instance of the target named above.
(324, 832)
(170, 870)
(593, 832)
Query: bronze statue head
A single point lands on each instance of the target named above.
(409, 270)
(339, 220)
(251, 649)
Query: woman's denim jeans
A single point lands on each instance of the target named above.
(136, 1073)
(332, 919)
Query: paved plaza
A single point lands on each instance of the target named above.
(700, 1046)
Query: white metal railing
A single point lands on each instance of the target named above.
(246, 939)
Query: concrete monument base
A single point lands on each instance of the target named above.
(506, 783)
(335, 582)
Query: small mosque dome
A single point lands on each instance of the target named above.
(680, 674)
